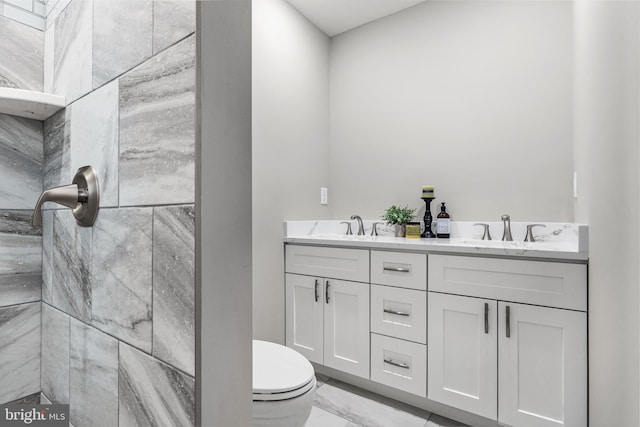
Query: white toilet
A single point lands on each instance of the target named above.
(284, 384)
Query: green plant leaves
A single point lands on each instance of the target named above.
(398, 215)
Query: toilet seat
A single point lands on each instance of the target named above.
(280, 373)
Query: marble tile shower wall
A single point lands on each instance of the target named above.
(27, 12)
(21, 157)
(118, 298)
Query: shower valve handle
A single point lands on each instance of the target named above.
(83, 197)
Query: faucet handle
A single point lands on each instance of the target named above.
(374, 228)
(506, 234)
(486, 235)
(83, 197)
(530, 237)
(348, 233)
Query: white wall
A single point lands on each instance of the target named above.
(607, 114)
(472, 97)
(223, 241)
(290, 145)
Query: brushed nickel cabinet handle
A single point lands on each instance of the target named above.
(486, 318)
(315, 290)
(398, 364)
(508, 316)
(397, 313)
(397, 269)
(326, 292)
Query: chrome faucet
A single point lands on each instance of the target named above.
(530, 237)
(506, 235)
(374, 228)
(348, 233)
(486, 235)
(360, 225)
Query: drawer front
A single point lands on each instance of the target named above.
(399, 364)
(336, 263)
(531, 282)
(400, 313)
(399, 269)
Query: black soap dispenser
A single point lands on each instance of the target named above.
(443, 224)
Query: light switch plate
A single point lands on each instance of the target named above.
(324, 197)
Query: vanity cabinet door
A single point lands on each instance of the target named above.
(462, 353)
(346, 326)
(304, 315)
(542, 366)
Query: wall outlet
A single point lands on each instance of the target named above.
(324, 197)
(575, 185)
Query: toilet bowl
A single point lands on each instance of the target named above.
(284, 384)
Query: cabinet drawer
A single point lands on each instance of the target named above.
(399, 364)
(532, 282)
(399, 313)
(399, 269)
(337, 263)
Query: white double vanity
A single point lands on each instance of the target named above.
(491, 328)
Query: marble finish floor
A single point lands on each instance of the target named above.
(338, 404)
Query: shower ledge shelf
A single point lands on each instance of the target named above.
(29, 104)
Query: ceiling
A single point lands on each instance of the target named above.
(336, 16)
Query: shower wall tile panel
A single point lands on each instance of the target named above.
(19, 288)
(94, 137)
(157, 129)
(47, 257)
(16, 11)
(173, 20)
(57, 151)
(19, 351)
(122, 269)
(93, 377)
(20, 258)
(121, 24)
(125, 286)
(53, 8)
(72, 39)
(153, 393)
(32, 399)
(20, 162)
(55, 355)
(173, 286)
(49, 64)
(71, 284)
(21, 50)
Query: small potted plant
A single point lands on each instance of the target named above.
(399, 217)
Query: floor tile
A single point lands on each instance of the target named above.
(438, 421)
(321, 418)
(361, 410)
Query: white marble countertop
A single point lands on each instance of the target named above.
(563, 241)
